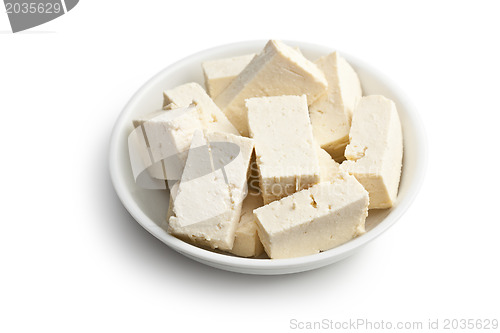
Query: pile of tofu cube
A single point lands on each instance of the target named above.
(279, 157)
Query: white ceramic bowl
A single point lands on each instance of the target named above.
(149, 207)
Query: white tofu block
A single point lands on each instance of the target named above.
(246, 240)
(328, 168)
(202, 206)
(232, 154)
(375, 152)
(348, 82)
(212, 118)
(284, 146)
(141, 160)
(168, 135)
(313, 220)
(221, 72)
(209, 198)
(277, 70)
(331, 114)
(157, 169)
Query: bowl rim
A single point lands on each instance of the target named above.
(263, 266)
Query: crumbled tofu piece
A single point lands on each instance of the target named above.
(375, 152)
(284, 146)
(277, 70)
(221, 72)
(331, 114)
(313, 220)
(212, 118)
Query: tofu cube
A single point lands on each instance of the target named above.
(331, 114)
(375, 152)
(313, 220)
(168, 135)
(140, 148)
(208, 201)
(221, 72)
(211, 116)
(277, 70)
(285, 150)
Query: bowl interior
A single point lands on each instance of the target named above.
(149, 207)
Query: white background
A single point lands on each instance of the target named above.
(73, 260)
